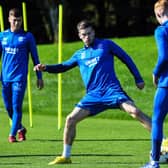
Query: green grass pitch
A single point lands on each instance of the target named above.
(110, 140)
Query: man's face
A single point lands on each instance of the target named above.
(15, 23)
(87, 36)
(160, 14)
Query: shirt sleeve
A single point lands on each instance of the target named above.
(126, 59)
(162, 45)
(33, 51)
(1, 34)
(63, 67)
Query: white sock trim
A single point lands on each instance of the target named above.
(67, 151)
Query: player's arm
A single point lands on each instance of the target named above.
(140, 85)
(35, 59)
(126, 59)
(57, 68)
(162, 45)
(0, 45)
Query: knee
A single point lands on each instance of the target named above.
(135, 112)
(70, 121)
(17, 107)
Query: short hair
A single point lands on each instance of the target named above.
(162, 4)
(15, 12)
(84, 24)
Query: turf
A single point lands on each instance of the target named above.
(100, 143)
(111, 139)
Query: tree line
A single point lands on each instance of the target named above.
(112, 18)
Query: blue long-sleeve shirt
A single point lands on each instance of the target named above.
(96, 64)
(15, 48)
(161, 67)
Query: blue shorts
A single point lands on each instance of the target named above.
(97, 102)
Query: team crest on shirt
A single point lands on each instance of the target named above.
(21, 38)
(100, 46)
(83, 55)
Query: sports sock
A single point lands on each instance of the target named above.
(66, 151)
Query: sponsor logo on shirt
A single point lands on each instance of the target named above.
(10, 50)
(92, 61)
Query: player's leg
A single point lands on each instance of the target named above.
(72, 119)
(7, 97)
(129, 107)
(18, 90)
(159, 114)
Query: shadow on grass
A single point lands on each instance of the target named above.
(76, 155)
(19, 164)
(125, 164)
(75, 162)
(96, 140)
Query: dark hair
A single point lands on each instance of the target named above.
(84, 24)
(15, 12)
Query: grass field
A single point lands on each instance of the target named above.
(100, 143)
(110, 140)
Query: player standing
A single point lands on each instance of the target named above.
(160, 80)
(15, 45)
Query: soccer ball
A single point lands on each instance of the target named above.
(163, 158)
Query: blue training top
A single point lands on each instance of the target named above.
(161, 68)
(96, 65)
(15, 48)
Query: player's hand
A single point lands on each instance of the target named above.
(155, 80)
(40, 83)
(140, 85)
(39, 67)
